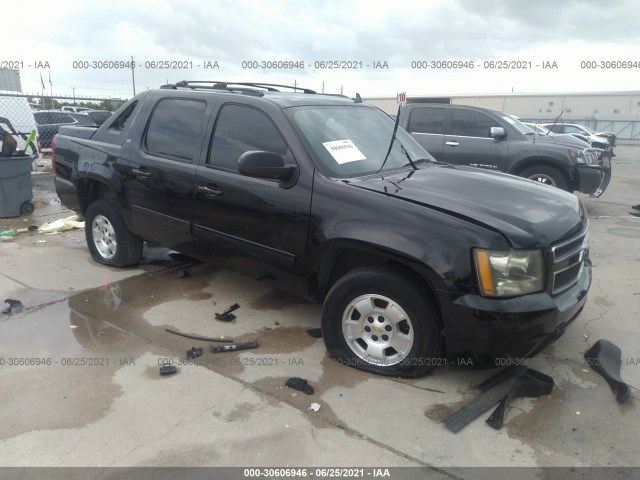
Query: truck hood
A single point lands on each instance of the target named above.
(528, 214)
(562, 140)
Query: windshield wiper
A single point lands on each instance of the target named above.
(413, 163)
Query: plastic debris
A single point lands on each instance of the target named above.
(197, 337)
(606, 359)
(315, 332)
(7, 238)
(314, 406)
(233, 347)
(14, 306)
(194, 352)
(300, 384)
(167, 369)
(227, 316)
(182, 274)
(61, 225)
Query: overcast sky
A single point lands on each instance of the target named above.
(398, 33)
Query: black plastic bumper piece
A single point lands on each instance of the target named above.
(606, 358)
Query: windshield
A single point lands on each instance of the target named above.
(588, 130)
(518, 125)
(350, 141)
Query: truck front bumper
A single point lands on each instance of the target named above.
(595, 180)
(485, 332)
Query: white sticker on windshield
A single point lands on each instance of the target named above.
(344, 151)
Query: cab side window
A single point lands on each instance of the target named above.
(469, 123)
(427, 120)
(240, 129)
(176, 129)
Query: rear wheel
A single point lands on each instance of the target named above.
(109, 239)
(380, 319)
(546, 175)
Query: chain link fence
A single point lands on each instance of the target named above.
(21, 114)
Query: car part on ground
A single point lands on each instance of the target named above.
(194, 352)
(198, 337)
(606, 358)
(299, 384)
(168, 369)
(227, 316)
(233, 347)
(516, 381)
(532, 384)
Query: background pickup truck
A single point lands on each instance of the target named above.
(487, 138)
(417, 263)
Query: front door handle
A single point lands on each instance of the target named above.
(209, 192)
(141, 173)
(453, 144)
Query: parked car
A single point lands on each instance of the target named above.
(98, 117)
(605, 140)
(490, 139)
(68, 108)
(417, 263)
(49, 121)
(540, 130)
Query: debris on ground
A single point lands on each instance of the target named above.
(315, 332)
(61, 225)
(195, 352)
(227, 316)
(636, 207)
(300, 384)
(199, 337)
(14, 306)
(314, 406)
(515, 381)
(167, 369)
(233, 347)
(605, 358)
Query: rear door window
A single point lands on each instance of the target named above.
(427, 120)
(176, 128)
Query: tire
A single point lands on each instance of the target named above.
(546, 175)
(108, 238)
(403, 338)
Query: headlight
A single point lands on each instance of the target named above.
(590, 156)
(509, 274)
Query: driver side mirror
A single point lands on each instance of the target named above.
(269, 165)
(497, 132)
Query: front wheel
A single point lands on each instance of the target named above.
(546, 175)
(109, 239)
(380, 319)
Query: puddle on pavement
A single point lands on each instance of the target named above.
(275, 300)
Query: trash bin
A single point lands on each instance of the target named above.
(15, 186)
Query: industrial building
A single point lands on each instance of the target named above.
(10, 80)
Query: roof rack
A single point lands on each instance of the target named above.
(233, 86)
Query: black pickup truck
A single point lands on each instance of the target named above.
(486, 138)
(418, 263)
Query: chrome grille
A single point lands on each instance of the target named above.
(568, 259)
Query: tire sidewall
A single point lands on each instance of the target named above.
(425, 351)
(104, 208)
(557, 175)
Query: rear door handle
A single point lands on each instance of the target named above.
(141, 173)
(209, 191)
(453, 144)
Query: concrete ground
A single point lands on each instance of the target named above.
(86, 390)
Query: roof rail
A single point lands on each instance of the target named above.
(217, 85)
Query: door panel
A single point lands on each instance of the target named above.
(469, 143)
